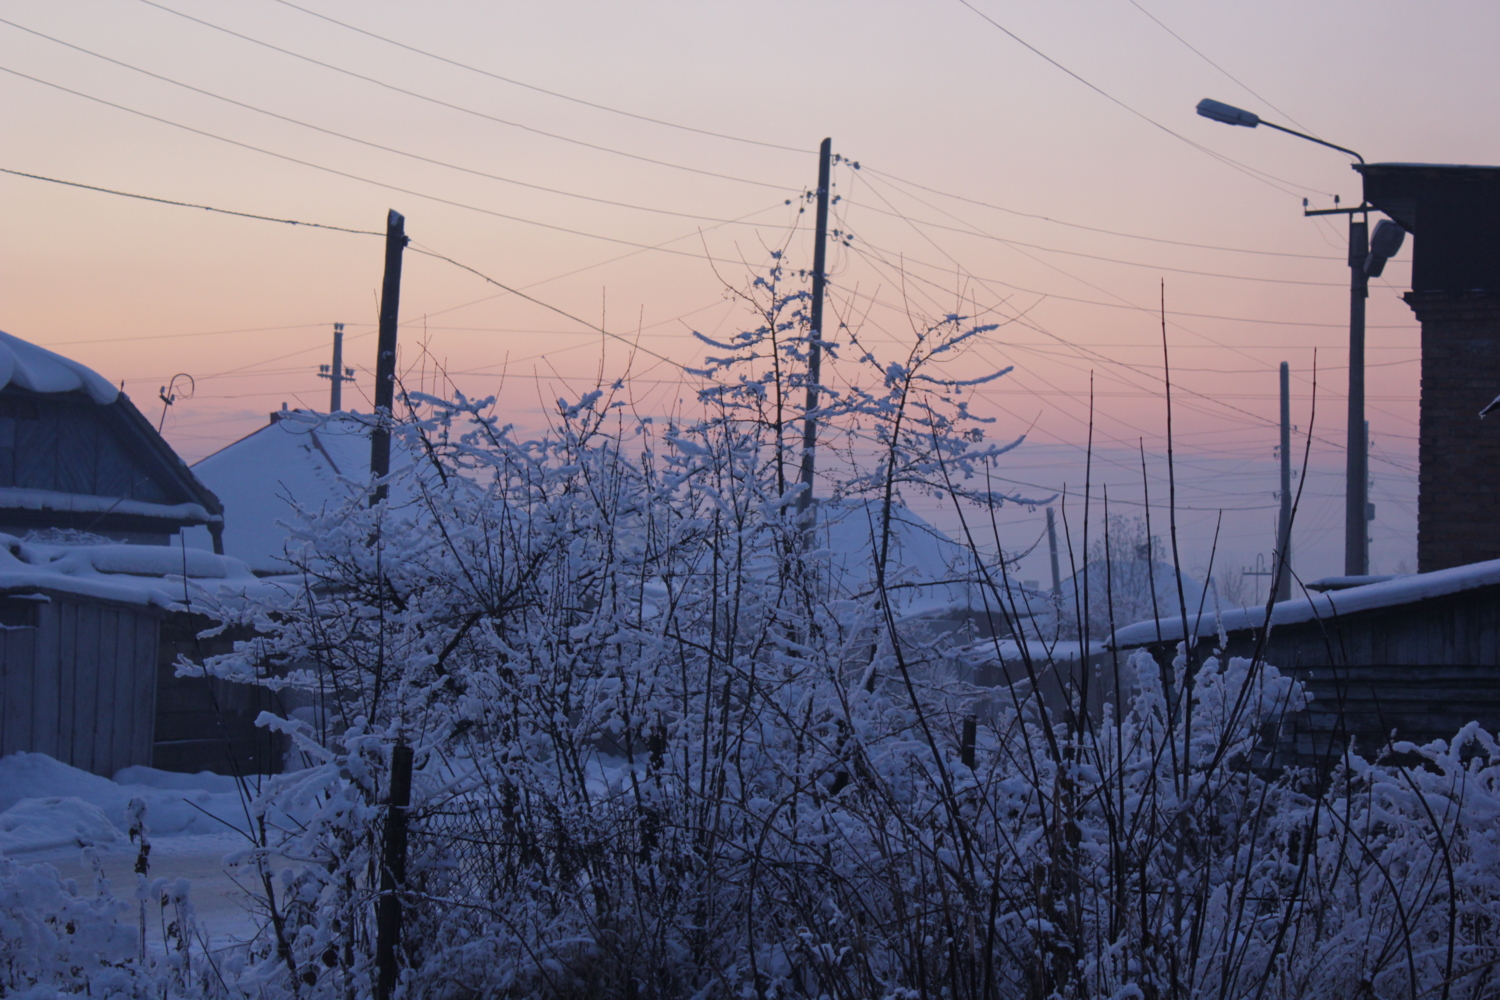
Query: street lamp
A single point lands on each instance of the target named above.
(1362, 264)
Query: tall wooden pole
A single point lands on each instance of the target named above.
(385, 359)
(1357, 471)
(815, 328)
(1052, 550)
(393, 861)
(1284, 525)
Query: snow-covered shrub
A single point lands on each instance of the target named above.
(56, 940)
(661, 752)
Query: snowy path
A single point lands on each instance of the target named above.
(223, 909)
(49, 812)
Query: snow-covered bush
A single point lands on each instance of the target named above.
(660, 751)
(58, 940)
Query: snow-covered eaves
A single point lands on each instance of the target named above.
(161, 576)
(1401, 590)
(40, 370)
(19, 498)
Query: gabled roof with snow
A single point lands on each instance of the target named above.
(83, 457)
(927, 571)
(40, 370)
(1400, 590)
(300, 460)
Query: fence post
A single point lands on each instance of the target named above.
(392, 873)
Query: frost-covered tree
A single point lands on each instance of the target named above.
(658, 753)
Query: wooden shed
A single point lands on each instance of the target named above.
(78, 678)
(92, 628)
(76, 454)
(1413, 658)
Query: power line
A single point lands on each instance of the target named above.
(356, 139)
(196, 333)
(1091, 256)
(1138, 308)
(1091, 229)
(1249, 171)
(356, 177)
(460, 108)
(1197, 52)
(635, 346)
(185, 204)
(542, 90)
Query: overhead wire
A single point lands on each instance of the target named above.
(1112, 260)
(456, 107)
(1236, 80)
(1104, 358)
(186, 204)
(541, 90)
(1249, 171)
(355, 139)
(915, 226)
(366, 180)
(865, 168)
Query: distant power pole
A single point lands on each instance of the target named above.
(385, 358)
(1284, 526)
(336, 372)
(815, 327)
(1052, 547)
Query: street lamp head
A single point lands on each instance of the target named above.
(1228, 114)
(1384, 243)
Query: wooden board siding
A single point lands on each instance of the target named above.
(1413, 672)
(204, 723)
(79, 682)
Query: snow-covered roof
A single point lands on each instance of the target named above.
(1397, 591)
(1038, 650)
(38, 369)
(20, 498)
(163, 576)
(929, 572)
(302, 459)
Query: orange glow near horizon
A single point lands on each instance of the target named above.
(1072, 210)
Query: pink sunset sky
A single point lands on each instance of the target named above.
(623, 162)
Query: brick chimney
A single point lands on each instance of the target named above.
(1453, 213)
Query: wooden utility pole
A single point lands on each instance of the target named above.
(393, 859)
(815, 329)
(1052, 548)
(1357, 473)
(385, 359)
(1284, 525)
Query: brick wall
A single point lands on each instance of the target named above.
(1458, 501)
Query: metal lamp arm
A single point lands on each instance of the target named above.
(1320, 142)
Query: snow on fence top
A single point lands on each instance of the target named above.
(40, 370)
(153, 575)
(1397, 591)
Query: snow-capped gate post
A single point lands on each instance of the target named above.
(392, 873)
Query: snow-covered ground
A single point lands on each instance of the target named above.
(50, 812)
